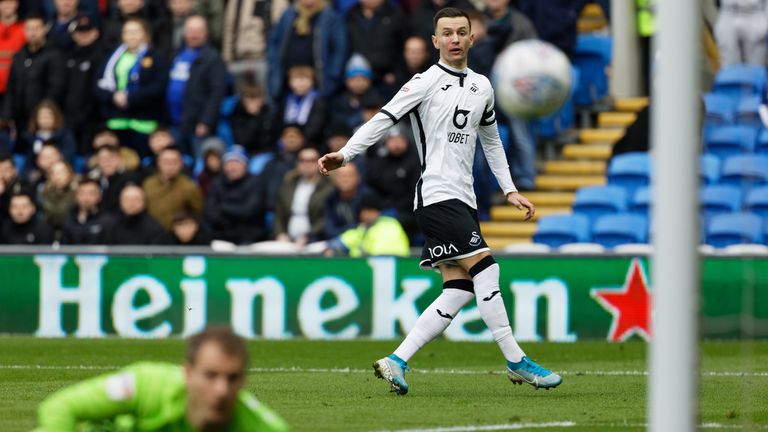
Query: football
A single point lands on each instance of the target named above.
(532, 78)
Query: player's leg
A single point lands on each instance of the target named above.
(485, 274)
(457, 292)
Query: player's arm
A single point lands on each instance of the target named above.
(99, 398)
(488, 132)
(409, 96)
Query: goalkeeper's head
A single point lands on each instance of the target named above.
(214, 370)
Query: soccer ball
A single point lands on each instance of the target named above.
(532, 79)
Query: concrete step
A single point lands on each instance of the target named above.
(499, 243)
(550, 199)
(570, 167)
(569, 183)
(508, 213)
(615, 119)
(585, 151)
(634, 104)
(600, 136)
(507, 229)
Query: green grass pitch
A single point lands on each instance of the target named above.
(329, 386)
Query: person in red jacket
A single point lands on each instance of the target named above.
(11, 39)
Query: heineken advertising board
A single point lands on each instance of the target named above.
(548, 298)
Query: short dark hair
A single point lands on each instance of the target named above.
(222, 336)
(24, 193)
(89, 181)
(450, 12)
(173, 148)
(34, 15)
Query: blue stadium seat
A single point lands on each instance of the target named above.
(630, 171)
(757, 201)
(592, 55)
(747, 111)
(762, 142)
(735, 228)
(725, 141)
(616, 229)
(718, 109)
(719, 199)
(740, 80)
(20, 161)
(224, 128)
(596, 201)
(559, 229)
(745, 171)
(710, 169)
(641, 201)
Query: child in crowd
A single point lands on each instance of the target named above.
(304, 105)
(58, 196)
(47, 125)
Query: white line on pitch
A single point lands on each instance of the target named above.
(497, 427)
(415, 371)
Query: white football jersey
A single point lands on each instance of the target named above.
(448, 109)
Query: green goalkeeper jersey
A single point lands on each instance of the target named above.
(141, 397)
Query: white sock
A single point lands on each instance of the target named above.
(436, 318)
(485, 274)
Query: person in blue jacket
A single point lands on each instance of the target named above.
(309, 33)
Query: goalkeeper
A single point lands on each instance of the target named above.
(204, 395)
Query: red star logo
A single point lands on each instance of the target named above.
(630, 305)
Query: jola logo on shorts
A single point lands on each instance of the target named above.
(475, 240)
(440, 250)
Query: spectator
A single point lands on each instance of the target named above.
(196, 87)
(309, 33)
(506, 20)
(47, 125)
(232, 210)
(299, 214)
(213, 12)
(23, 228)
(421, 19)
(415, 59)
(187, 231)
(393, 168)
(169, 190)
(342, 206)
(247, 24)
(86, 223)
(152, 12)
(180, 11)
(133, 225)
(105, 137)
(161, 138)
(10, 184)
(110, 174)
(36, 174)
(132, 86)
(337, 135)
(303, 105)
(251, 121)
(377, 30)
(555, 20)
(58, 33)
(35, 75)
(81, 68)
(12, 39)
(290, 143)
(212, 150)
(357, 80)
(376, 235)
(58, 196)
(740, 31)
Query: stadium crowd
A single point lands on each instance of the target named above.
(131, 122)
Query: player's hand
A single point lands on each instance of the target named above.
(330, 162)
(521, 203)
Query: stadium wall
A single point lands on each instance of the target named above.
(555, 298)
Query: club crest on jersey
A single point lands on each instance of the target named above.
(475, 240)
(405, 89)
(460, 117)
(474, 88)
